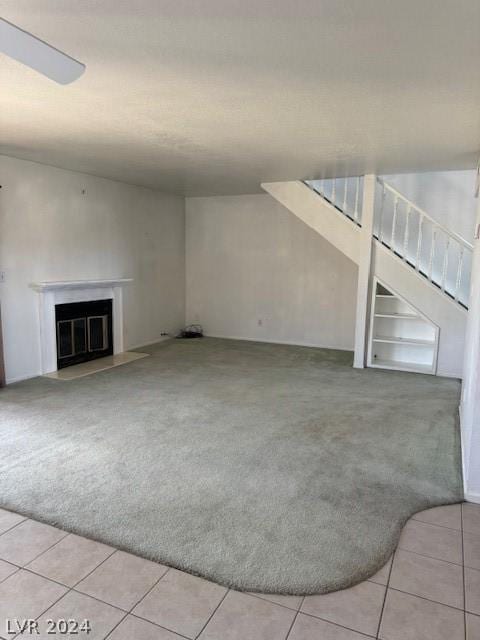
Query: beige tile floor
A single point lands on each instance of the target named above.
(430, 590)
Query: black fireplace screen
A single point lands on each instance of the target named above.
(84, 331)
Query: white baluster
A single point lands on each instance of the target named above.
(333, 191)
(407, 231)
(445, 263)
(357, 193)
(426, 258)
(382, 207)
(432, 253)
(345, 196)
(394, 224)
(459, 273)
(419, 242)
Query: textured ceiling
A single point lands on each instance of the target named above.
(216, 96)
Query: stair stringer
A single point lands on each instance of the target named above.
(318, 214)
(432, 302)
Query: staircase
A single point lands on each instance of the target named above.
(436, 253)
(414, 258)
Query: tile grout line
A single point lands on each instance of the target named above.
(39, 575)
(87, 595)
(74, 590)
(336, 624)
(284, 606)
(50, 605)
(414, 595)
(23, 568)
(62, 584)
(423, 555)
(213, 613)
(295, 618)
(15, 525)
(159, 626)
(134, 615)
(45, 550)
(293, 622)
(297, 612)
(69, 589)
(17, 569)
(115, 626)
(115, 550)
(385, 594)
(94, 569)
(151, 588)
(463, 578)
(135, 603)
(435, 524)
(475, 534)
(125, 611)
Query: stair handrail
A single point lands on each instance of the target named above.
(424, 214)
(441, 278)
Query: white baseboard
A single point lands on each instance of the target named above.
(147, 344)
(21, 378)
(287, 342)
(446, 374)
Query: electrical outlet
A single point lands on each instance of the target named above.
(2, 276)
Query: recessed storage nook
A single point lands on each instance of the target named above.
(401, 337)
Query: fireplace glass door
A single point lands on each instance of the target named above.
(84, 331)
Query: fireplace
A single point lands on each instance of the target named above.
(84, 331)
(65, 292)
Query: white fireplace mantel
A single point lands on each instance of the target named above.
(61, 292)
(79, 284)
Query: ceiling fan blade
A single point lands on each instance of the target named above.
(38, 55)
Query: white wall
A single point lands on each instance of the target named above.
(445, 195)
(470, 405)
(50, 230)
(249, 259)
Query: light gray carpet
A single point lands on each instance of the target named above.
(262, 467)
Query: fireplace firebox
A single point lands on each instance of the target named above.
(84, 331)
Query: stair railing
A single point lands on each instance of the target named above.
(440, 255)
(345, 194)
